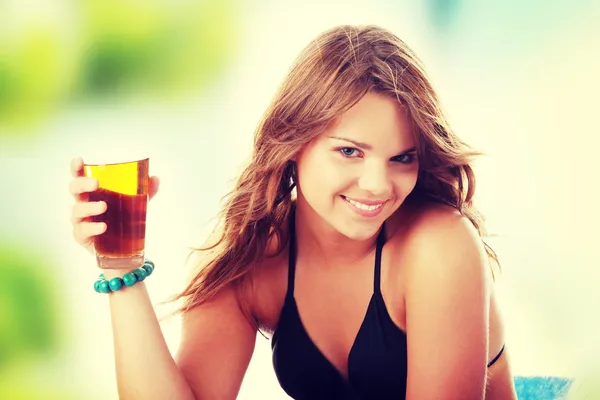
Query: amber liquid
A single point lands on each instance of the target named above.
(125, 219)
(124, 188)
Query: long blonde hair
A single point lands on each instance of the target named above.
(331, 74)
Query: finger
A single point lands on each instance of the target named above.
(83, 210)
(82, 184)
(76, 167)
(153, 186)
(85, 231)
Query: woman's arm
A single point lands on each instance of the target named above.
(217, 344)
(447, 308)
(216, 347)
(217, 341)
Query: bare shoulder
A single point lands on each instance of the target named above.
(432, 236)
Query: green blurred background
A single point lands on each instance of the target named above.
(185, 82)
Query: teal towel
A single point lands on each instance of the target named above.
(542, 387)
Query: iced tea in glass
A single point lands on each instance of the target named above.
(124, 188)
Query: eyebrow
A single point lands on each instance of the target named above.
(365, 146)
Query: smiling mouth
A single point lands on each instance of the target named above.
(363, 206)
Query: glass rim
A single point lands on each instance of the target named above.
(114, 163)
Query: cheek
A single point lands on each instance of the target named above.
(318, 175)
(321, 182)
(313, 176)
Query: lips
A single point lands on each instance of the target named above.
(364, 208)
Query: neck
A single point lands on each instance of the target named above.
(324, 244)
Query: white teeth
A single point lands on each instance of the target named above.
(363, 206)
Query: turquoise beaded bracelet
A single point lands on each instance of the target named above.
(129, 279)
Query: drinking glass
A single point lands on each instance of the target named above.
(124, 188)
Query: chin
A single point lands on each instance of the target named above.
(361, 235)
(356, 229)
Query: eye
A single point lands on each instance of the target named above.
(405, 158)
(349, 152)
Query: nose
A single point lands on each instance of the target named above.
(376, 181)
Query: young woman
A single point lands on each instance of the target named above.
(350, 236)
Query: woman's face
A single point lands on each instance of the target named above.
(360, 170)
